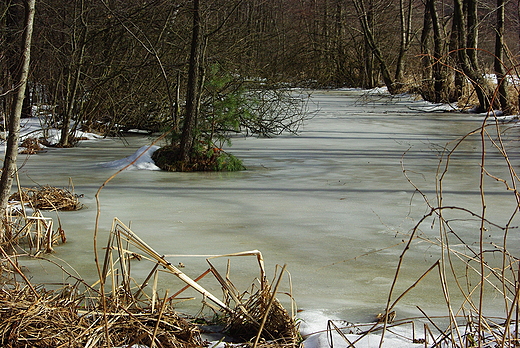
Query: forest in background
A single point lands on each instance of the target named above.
(200, 69)
(110, 65)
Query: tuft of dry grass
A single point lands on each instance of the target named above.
(48, 198)
(57, 319)
(31, 146)
(245, 323)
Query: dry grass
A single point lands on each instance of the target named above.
(253, 316)
(278, 326)
(131, 312)
(57, 319)
(31, 146)
(48, 198)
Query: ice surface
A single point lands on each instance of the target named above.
(332, 203)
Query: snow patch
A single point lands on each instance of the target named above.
(141, 159)
(313, 328)
(507, 119)
(32, 128)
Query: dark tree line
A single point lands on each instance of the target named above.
(112, 65)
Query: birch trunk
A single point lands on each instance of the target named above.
(9, 168)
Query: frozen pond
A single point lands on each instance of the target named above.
(330, 203)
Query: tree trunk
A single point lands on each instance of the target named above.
(338, 42)
(472, 32)
(500, 70)
(369, 71)
(73, 82)
(177, 107)
(454, 44)
(13, 21)
(467, 30)
(439, 76)
(9, 168)
(426, 57)
(405, 17)
(370, 39)
(192, 97)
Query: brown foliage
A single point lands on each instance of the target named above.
(31, 146)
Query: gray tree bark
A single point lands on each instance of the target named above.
(439, 76)
(465, 15)
(73, 81)
(405, 18)
(10, 168)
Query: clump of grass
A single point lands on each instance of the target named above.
(31, 146)
(204, 159)
(119, 310)
(48, 198)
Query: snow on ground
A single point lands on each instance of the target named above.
(511, 79)
(313, 328)
(141, 159)
(33, 128)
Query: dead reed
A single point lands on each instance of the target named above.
(30, 146)
(254, 316)
(133, 312)
(277, 327)
(27, 228)
(48, 198)
(57, 319)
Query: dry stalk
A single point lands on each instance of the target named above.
(17, 270)
(156, 328)
(121, 230)
(48, 198)
(259, 316)
(481, 330)
(269, 305)
(96, 228)
(331, 326)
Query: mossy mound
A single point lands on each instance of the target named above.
(167, 158)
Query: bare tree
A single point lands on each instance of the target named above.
(74, 76)
(466, 21)
(500, 69)
(440, 85)
(405, 19)
(10, 168)
(368, 33)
